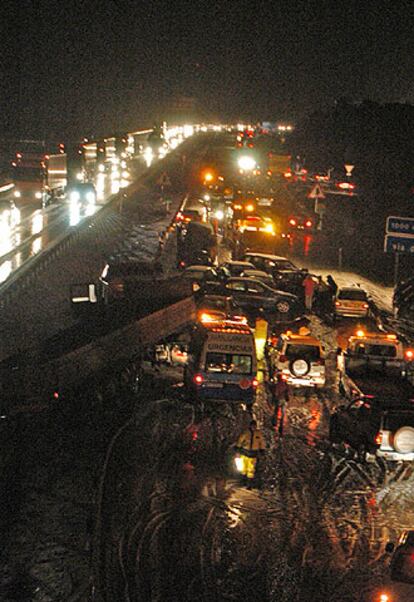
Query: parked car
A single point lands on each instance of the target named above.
(299, 358)
(255, 296)
(235, 268)
(374, 428)
(259, 275)
(291, 281)
(269, 263)
(352, 302)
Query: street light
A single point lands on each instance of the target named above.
(247, 163)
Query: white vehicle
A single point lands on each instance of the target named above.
(351, 302)
(300, 360)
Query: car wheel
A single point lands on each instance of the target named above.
(283, 306)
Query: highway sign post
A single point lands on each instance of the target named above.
(348, 168)
(317, 194)
(399, 239)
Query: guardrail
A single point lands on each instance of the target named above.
(29, 271)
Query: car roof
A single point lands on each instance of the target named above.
(198, 268)
(254, 273)
(266, 256)
(241, 263)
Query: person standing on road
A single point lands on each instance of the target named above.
(279, 390)
(250, 446)
(309, 286)
(332, 285)
(323, 298)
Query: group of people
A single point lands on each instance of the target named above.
(319, 295)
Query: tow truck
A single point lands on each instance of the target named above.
(376, 365)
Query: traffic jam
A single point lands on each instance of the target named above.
(295, 365)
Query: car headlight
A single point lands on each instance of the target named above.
(74, 196)
(38, 195)
(90, 196)
(17, 194)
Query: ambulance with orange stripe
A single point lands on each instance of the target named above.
(222, 363)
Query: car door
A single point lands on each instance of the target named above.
(259, 297)
(237, 290)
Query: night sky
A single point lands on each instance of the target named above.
(72, 68)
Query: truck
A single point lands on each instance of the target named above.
(65, 168)
(376, 365)
(28, 174)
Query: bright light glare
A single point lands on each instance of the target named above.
(239, 463)
(247, 163)
(79, 176)
(74, 196)
(17, 194)
(5, 270)
(219, 214)
(37, 223)
(38, 195)
(37, 245)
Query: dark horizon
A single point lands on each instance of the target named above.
(73, 69)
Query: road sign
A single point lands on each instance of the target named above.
(400, 225)
(164, 180)
(399, 244)
(349, 169)
(316, 193)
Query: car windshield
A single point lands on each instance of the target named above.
(308, 352)
(380, 350)
(230, 363)
(353, 295)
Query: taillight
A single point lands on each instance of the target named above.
(198, 379)
(283, 358)
(409, 354)
(292, 222)
(308, 223)
(338, 303)
(378, 438)
(365, 306)
(255, 383)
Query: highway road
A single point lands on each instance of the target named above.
(169, 515)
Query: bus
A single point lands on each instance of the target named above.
(222, 363)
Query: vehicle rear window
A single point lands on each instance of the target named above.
(308, 352)
(388, 351)
(395, 420)
(353, 295)
(230, 363)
